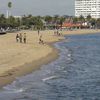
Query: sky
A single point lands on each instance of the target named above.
(38, 7)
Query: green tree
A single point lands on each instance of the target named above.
(81, 19)
(48, 19)
(9, 6)
(38, 23)
(30, 21)
(98, 23)
(61, 21)
(2, 20)
(93, 22)
(11, 21)
(75, 20)
(89, 18)
(56, 18)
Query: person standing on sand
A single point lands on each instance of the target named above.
(38, 32)
(57, 32)
(24, 38)
(54, 32)
(17, 38)
(20, 37)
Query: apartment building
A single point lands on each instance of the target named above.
(87, 7)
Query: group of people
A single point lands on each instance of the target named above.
(57, 32)
(21, 38)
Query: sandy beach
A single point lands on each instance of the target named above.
(17, 59)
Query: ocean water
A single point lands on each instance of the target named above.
(75, 75)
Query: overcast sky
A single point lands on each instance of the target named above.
(39, 7)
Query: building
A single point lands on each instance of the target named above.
(18, 17)
(87, 7)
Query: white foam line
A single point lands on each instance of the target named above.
(49, 78)
(14, 90)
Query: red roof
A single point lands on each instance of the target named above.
(71, 25)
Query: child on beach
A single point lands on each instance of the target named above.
(24, 38)
(20, 37)
(40, 40)
(17, 38)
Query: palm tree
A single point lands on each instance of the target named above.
(9, 6)
(61, 21)
(81, 19)
(93, 22)
(48, 19)
(2, 20)
(89, 18)
(98, 23)
(56, 20)
(75, 19)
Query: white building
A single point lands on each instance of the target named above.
(18, 17)
(87, 7)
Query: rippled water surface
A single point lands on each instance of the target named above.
(75, 75)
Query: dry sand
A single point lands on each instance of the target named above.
(17, 59)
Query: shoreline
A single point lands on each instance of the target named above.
(28, 68)
(9, 76)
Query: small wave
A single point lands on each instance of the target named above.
(18, 91)
(14, 90)
(69, 55)
(49, 78)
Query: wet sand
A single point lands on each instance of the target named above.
(17, 59)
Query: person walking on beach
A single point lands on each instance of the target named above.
(24, 38)
(38, 32)
(54, 32)
(17, 38)
(20, 37)
(57, 32)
